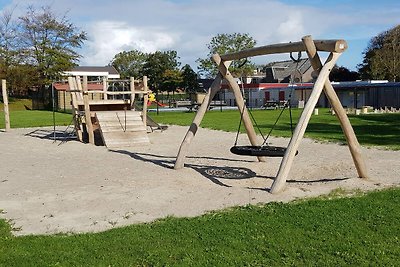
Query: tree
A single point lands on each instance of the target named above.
(8, 43)
(157, 64)
(172, 79)
(189, 79)
(343, 74)
(129, 63)
(227, 43)
(382, 56)
(49, 43)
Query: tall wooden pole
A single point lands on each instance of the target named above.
(5, 102)
(251, 133)
(88, 117)
(330, 93)
(145, 99)
(184, 148)
(301, 126)
(132, 87)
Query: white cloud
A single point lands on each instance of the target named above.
(107, 38)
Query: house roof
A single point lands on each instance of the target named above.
(108, 71)
(282, 70)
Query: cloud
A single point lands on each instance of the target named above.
(107, 38)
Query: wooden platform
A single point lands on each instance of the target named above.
(122, 128)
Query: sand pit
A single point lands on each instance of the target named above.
(51, 187)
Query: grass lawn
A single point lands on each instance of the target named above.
(371, 129)
(357, 231)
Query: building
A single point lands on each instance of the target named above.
(108, 72)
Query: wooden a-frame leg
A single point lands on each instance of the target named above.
(330, 93)
(184, 148)
(251, 133)
(300, 129)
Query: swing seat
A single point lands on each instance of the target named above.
(267, 151)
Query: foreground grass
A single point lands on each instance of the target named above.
(362, 230)
(371, 129)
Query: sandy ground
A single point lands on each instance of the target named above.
(50, 187)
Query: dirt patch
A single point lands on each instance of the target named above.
(66, 186)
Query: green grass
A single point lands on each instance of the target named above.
(358, 231)
(371, 129)
(35, 118)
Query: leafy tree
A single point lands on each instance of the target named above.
(172, 79)
(156, 66)
(129, 63)
(49, 43)
(382, 56)
(343, 74)
(227, 43)
(189, 79)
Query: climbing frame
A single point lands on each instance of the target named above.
(336, 48)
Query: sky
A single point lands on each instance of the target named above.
(187, 26)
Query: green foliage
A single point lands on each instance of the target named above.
(382, 57)
(358, 231)
(189, 79)
(129, 63)
(343, 74)
(227, 43)
(49, 42)
(36, 47)
(371, 129)
(156, 66)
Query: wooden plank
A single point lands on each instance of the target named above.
(301, 126)
(5, 102)
(132, 87)
(354, 146)
(337, 46)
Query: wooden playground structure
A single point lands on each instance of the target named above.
(117, 120)
(311, 47)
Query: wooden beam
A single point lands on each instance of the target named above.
(105, 87)
(145, 99)
(251, 133)
(184, 148)
(75, 110)
(88, 118)
(5, 102)
(301, 126)
(337, 46)
(330, 93)
(132, 87)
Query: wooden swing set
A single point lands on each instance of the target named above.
(311, 47)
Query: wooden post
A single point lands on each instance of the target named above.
(88, 117)
(338, 109)
(300, 129)
(75, 108)
(145, 99)
(105, 88)
(132, 87)
(5, 102)
(251, 133)
(184, 148)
